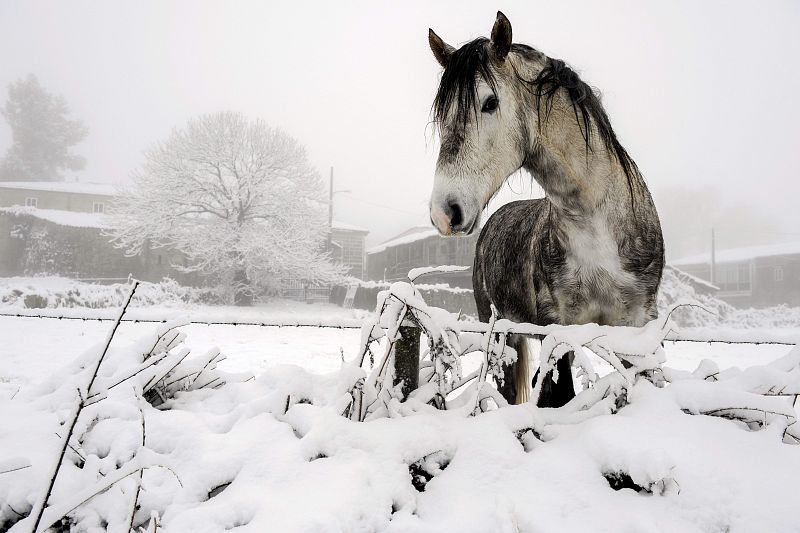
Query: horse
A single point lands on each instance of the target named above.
(591, 250)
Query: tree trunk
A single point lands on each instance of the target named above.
(242, 290)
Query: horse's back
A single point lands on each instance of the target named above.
(504, 260)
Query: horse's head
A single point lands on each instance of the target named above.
(481, 127)
(492, 111)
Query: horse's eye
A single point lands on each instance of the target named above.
(490, 105)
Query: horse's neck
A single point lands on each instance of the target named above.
(588, 191)
(584, 186)
(578, 181)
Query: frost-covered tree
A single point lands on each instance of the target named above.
(238, 198)
(42, 134)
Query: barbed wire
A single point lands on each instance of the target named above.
(354, 324)
(266, 324)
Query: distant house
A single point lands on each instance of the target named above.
(349, 247)
(75, 196)
(756, 276)
(420, 247)
(55, 228)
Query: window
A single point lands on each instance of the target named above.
(31, 202)
(98, 207)
(777, 273)
(744, 277)
(734, 278)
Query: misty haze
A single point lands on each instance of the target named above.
(257, 259)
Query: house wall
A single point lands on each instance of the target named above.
(774, 280)
(777, 281)
(32, 246)
(351, 252)
(64, 201)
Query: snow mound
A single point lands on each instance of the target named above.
(706, 310)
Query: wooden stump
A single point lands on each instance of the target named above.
(406, 359)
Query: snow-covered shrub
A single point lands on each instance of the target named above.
(37, 293)
(376, 395)
(166, 371)
(100, 402)
(35, 301)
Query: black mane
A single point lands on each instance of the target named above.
(458, 85)
(459, 79)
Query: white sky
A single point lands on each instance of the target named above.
(704, 95)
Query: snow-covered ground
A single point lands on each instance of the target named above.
(275, 454)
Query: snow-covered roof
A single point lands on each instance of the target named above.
(63, 218)
(685, 276)
(338, 224)
(411, 235)
(733, 255)
(79, 187)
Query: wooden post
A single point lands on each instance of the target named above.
(406, 359)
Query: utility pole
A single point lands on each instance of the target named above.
(331, 194)
(330, 214)
(713, 259)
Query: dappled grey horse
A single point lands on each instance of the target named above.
(591, 250)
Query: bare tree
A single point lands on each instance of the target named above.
(239, 199)
(43, 134)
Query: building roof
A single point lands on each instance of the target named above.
(338, 224)
(694, 281)
(733, 255)
(62, 218)
(410, 235)
(78, 187)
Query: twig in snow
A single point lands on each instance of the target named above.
(23, 467)
(135, 505)
(71, 447)
(41, 502)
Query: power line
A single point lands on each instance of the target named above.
(376, 204)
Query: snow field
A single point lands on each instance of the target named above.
(275, 454)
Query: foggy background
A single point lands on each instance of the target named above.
(702, 94)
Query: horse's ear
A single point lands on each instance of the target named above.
(501, 36)
(441, 50)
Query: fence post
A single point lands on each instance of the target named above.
(406, 359)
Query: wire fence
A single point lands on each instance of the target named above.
(706, 336)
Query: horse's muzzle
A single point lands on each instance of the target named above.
(449, 218)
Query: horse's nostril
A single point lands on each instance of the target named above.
(456, 216)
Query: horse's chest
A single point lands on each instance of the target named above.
(593, 286)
